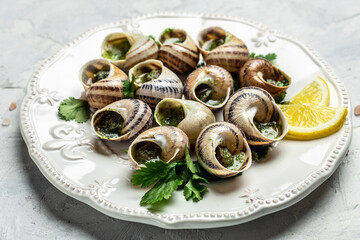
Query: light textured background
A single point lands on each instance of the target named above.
(32, 30)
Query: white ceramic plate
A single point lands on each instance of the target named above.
(97, 173)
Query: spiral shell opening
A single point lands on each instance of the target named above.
(210, 85)
(190, 116)
(115, 46)
(261, 73)
(146, 71)
(108, 124)
(169, 113)
(222, 150)
(122, 120)
(160, 143)
(211, 38)
(170, 36)
(146, 150)
(254, 111)
(221, 48)
(94, 71)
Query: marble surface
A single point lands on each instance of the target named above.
(31, 31)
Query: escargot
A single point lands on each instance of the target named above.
(178, 51)
(155, 82)
(188, 115)
(107, 90)
(159, 143)
(261, 73)
(255, 112)
(126, 50)
(96, 70)
(122, 120)
(221, 48)
(222, 150)
(210, 85)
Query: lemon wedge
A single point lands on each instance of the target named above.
(316, 93)
(308, 121)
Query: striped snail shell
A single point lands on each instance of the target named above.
(108, 90)
(96, 70)
(122, 120)
(126, 50)
(255, 112)
(178, 51)
(188, 115)
(155, 82)
(209, 85)
(222, 150)
(159, 143)
(261, 73)
(221, 48)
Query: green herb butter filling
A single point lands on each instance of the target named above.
(228, 160)
(170, 114)
(282, 83)
(116, 49)
(146, 151)
(146, 74)
(270, 129)
(213, 43)
(102, 74)
(109, 124)
(207, 95)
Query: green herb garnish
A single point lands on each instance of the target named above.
(259, 153)
(101, 75)
(279, 99)
(74, 109)
(153, 38)
(129, 88)
(271, 57)
(167, 178)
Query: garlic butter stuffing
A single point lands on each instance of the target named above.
(139, 80)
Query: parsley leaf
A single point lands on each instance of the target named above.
(279, 99)
(129, 88)
(74, 109)
(271, 57)
(163, 188)
(145, 175)
(259, 153)
(193, 190)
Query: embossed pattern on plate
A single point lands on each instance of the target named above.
(97, 173)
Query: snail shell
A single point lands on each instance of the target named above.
(165, 143)
(257, 70)
(250, 107)
(181, 56)
(223, 135)
(108, 90)
(122, 120)
(165, 83)
(96, 70)
(127, 50)
(221, 48)
(189, 116)
(210, 85)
